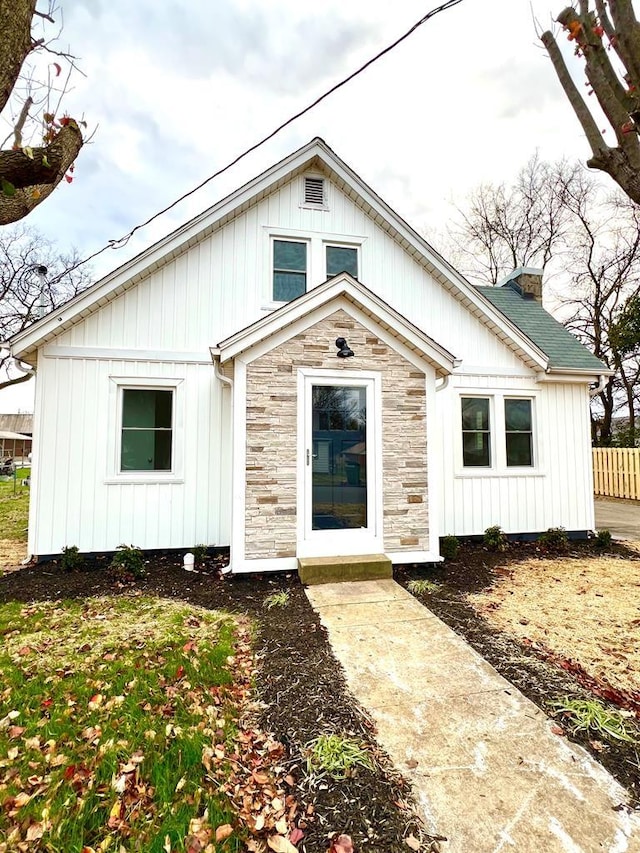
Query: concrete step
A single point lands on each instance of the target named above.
(363, 567)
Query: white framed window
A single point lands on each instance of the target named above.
(518, 432)
(290, 265)
(497, 434)
(145, 430)
(476, 432)
(340, 258)
(146, 433)
(295, 260)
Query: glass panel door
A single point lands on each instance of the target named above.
(339, 464)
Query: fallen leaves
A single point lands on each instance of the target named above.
(341, 844)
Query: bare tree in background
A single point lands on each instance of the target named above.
(602, 259)
(26, 295)
(40, 145)
(519, 224)
(607, 40)
(591, 243)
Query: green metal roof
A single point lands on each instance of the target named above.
(563, 349)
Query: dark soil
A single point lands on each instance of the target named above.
(543, 681)
(300, 683)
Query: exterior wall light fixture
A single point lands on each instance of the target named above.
(344, 351)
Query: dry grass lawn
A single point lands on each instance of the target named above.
(585, 610)
(11, 554)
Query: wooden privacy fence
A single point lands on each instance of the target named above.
(616, 472)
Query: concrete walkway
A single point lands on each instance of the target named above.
(620, 517)
(487, 771)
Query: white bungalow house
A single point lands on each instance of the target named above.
(297, 373)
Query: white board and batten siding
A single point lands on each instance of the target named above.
(223, 284)
(163, 326)
(556, 492)
(76, 500)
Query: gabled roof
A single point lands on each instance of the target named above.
(341, 285)
(564, 350)
(317, 155)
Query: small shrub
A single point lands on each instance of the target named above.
(592, 717)
(199, 553)
(276, 599)
(128, 561)
(495, 539)
(419, 587)
(554, 539)
(337, 756)
(71, 558)
(449, 547)
(603, 540)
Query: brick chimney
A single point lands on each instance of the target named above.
(527, 281)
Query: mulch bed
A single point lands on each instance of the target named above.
(300, 684)
(540, 678)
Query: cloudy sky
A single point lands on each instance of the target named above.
(177, 89)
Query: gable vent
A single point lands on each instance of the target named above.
(314, 191)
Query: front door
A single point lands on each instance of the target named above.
(339, 452)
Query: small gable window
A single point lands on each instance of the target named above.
(314, 192)
(289, 270)
(518, 432)
(476, 433)
(147, 429)
(342, 259)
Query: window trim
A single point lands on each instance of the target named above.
(530, 432)
(276, 238)
(114, 473)
(316, 257)
(339, 244)
(490, 432)
(498, 433)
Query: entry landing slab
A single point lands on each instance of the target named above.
(364, 567)
(488, 772)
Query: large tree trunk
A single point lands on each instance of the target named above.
(15, 42)
(32, 179)
(26, 179)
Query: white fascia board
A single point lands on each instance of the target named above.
(356, 293)
(559, 374)
(129, 273)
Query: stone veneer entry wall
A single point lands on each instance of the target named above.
(272, 436)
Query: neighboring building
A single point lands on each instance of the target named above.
(20, 423)
(197, 394)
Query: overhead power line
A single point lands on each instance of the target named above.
(122, 241)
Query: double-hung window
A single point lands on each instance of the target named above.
(289, 269)
(497, 432)
(147, 429)
(518, 428)
(476, 432)
(342, 259)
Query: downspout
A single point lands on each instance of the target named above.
(229, 383)
(444, 383)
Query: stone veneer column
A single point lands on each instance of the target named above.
(272, 436)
